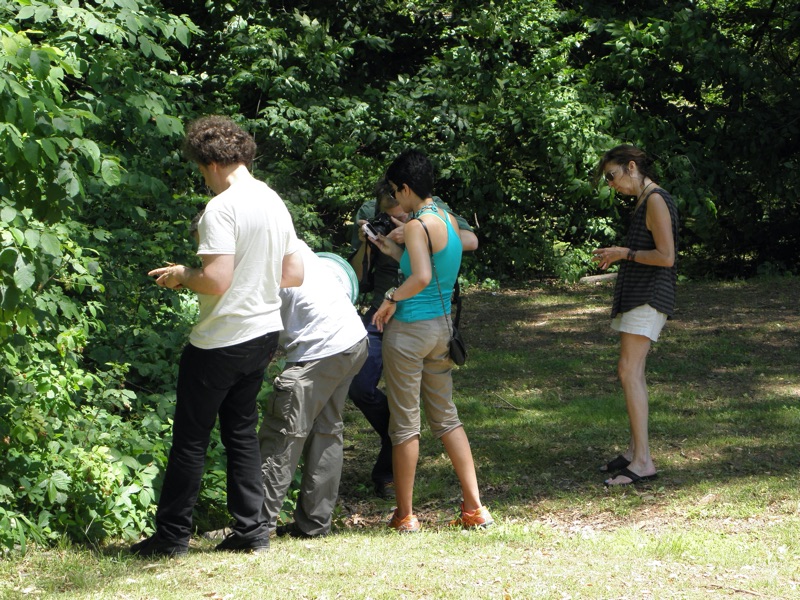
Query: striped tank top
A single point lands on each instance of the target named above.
(639, 284)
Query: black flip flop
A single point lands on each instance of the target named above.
(634, 478)
(615, 465)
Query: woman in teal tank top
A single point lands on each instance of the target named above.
(428, 304)
(414, 319)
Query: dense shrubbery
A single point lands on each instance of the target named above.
(513, 100)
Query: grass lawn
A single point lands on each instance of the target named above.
(543, 410)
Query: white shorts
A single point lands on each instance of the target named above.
(642, 320)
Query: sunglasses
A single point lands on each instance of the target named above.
(393, 192)
(609, 177)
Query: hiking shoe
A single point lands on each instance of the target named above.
(235, 542)
(478, 518)
(408, 524)
(155, 546)
(293, 530)
(385, 490)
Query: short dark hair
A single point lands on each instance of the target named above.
(217, 139)
(622, 155)
(415, 170)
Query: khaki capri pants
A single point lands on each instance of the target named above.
(417, 365)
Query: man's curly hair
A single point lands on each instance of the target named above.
(219, 140)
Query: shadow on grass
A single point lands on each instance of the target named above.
(543, 408)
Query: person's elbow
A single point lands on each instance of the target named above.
(217, 288)
(292, 271)
(469, 241)
(667, 259)
(216, 276)
(422, 281)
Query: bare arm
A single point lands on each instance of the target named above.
(469, 241)
(389, 247)
(421, 273)
(213, 278)
(292, 270)
(659, 223)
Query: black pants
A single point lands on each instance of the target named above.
(224, 382)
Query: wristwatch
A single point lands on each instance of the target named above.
(389, 295)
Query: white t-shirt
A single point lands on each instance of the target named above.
(251, 222)
(319, 318)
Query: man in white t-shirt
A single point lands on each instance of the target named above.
(248, 248)
(326, 345)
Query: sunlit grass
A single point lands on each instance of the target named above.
(543, 410)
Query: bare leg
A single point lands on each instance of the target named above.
(457, 446)
(633, 356)
(404, 463)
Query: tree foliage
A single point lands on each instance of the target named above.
(514, 101)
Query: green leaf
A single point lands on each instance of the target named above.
(43, 14)
(129, 461)
(8, 214)
(110, 172)
(40, 63)
(146, 45)
(32, 238)
(26, 12)
(49, 149)
(52, 492)
(11, 298)
(31, 153)
(18, 236)
(25, 277)
(145, 497)
(24, 434)
(8, 257)
(169, 125)
(182, 33)
(90, 150)
(61, 480)
(26, 112)
(160, 53)
(50, 244)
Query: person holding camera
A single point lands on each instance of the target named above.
(377, 273)
(644, 295)
(414, 318)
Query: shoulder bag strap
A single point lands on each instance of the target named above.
(436, 275)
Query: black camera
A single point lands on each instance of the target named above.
(383, 223)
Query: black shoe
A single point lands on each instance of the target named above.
(385, 490)
(235, 542)
(292, 530)
(156, 546)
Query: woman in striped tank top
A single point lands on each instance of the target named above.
(644, 295)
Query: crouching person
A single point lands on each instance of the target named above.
(326, 345)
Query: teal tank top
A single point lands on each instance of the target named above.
(428, 303)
